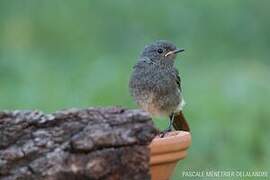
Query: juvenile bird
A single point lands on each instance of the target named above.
(155, 84)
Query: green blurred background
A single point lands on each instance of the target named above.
(61, 54)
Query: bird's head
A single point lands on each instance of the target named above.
(161, 52)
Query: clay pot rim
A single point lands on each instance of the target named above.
(174, 141)
(166, 152)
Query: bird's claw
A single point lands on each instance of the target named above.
(162, 133)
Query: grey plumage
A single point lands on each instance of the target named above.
(155, 83)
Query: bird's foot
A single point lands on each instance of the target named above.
(162, 133)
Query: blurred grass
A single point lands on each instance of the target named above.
(61, 54)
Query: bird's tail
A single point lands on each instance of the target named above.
(179, 122)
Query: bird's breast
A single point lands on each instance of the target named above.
(156, 92)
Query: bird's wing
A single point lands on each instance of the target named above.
(177, 79)
(180, 122)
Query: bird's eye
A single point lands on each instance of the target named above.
(160, 51)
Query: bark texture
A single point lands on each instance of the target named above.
(94, 143)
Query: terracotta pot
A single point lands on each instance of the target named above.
(166, 152)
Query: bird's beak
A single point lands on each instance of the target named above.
(174, 52)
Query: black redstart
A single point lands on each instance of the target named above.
(155, 84)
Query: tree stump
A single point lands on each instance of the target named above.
(94, 143)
